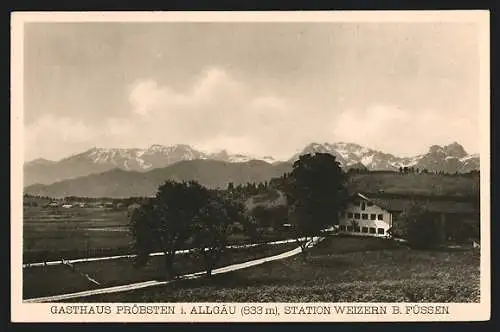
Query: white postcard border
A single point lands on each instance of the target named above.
(44, 312)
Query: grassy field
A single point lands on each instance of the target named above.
(52, 234)
(60, 279)
(340, 269)
(416, 184)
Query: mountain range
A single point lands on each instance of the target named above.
(121, 183)
(102, 172)
(449, 158)
(98, 160)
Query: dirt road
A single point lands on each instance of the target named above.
(153, 283)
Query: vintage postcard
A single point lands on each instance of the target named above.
(250, 166)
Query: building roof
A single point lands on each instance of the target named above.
(399, 204)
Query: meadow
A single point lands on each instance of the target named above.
(415, 184)
(60, 279)
(340, 269)
(57, 233)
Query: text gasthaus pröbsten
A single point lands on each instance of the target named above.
(134, 309)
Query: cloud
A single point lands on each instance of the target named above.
(213, 88)
(402, 131)
(55, 137)
(218, 111)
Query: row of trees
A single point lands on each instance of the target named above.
(180, 212)
(413, 170)
(248, 189)
(187, 211)
(41, 200)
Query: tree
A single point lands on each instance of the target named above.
(211, 228)
(252, 230)
(143, 222)
(262, 216)
(279, 216)
(419, 227)
(165, 222)
(316, 193)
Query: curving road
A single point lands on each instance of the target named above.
(153, 283)
(179, 252)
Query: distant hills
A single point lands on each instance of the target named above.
(98, 160)
(121, 183)
(137, 172)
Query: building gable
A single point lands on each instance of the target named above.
(360, 199)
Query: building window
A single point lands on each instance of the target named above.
(349, 228)
(373, 216)
(380, 231)
(356, 216)
(380, 217)
(349, 215)
(372, 230)
(357, 229)
(342, 227)
(364, 229)
(364, 216)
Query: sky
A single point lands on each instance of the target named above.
(254, 88)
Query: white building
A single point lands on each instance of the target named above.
(363, 217)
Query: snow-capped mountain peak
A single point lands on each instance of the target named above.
(155, 156)
(449, 158)
(469, 157)
(224, 155)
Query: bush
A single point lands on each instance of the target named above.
(420, 228)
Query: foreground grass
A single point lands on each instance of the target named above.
(339, 270)
(60, 279)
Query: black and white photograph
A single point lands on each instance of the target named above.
(312, 163)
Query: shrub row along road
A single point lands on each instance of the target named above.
(179, 252)
(153, 283)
